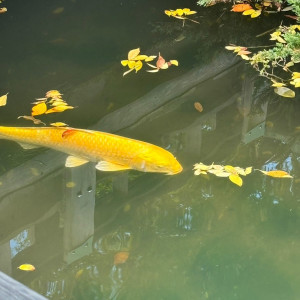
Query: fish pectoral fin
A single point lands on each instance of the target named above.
(108, 166)
(28, 146)
(73, 161)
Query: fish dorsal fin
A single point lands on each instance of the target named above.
(73, 161)
(108, 166)
(72, 131)
(28, 146)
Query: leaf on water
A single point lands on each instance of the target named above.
(138, 65)
(230, 169)
(53, 94)
(39, 109)
(160, 61)
(26, 267)
(150, 58)
(133, 53)
(231, 47)
(236, 179)
(3, 100)
(174, 62)
(3, 10)
(124, 63)
(248, 12)
(59, 124)
(277, 174)
(33, 119)
(277, 84)
(198, 106)
(221, 173)
(141, 57)
(125, 73)
(256, 14)
(248, 170)
(59, 108)
(245, 57)
(121, 257)
(284, 92)
(241, 7)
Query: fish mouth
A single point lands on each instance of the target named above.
(176, 171)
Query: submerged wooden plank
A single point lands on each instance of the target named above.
(14, 290)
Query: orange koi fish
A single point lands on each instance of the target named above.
(110, 152)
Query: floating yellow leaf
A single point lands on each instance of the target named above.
(141, 57)
(133, 53)
(248, 12)
(277, 174)
(230, 169)
(150, 58)
(39, 109)
(179, 12)
(59, 108)
(138, 65)
(295, 82)
(248, 170)
(188, 12)
(33, 119)
(296, 75)
(131, 64)
(284, 92)
(26, 267)
(168, 13)
(174, 62)
(53, 94)
(3, 10)
(3, 100)
(277, 84)
(124, 63)
(59, 124)
(256, 14)
(236, 179)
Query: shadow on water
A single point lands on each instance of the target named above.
(188, 237)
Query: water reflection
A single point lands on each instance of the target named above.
(188, 237)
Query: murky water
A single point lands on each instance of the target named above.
(131, 235)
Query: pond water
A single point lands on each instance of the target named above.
(132, 235)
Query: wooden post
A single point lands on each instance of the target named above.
(78, 215)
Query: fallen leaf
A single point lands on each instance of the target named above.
(53, 94)
(33, 119)
(241, 7)
(284, 92)
(26, 267)
(174, 62)
(277, 174)
(3, 10)
(248, 12)
(160, 61)
(236, 179)
(59, 124)
(3, 100)
(39, 109)
(198, 106)
(133, 53)
(121, 257)
(59, 108)
(256, 13)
